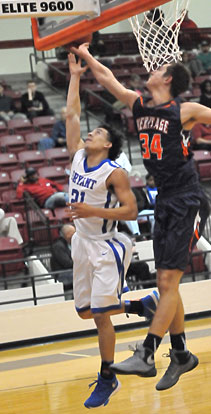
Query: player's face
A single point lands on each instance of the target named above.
(97, 140)
(157, 77)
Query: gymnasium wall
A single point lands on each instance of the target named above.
(61, 318)
(15, 61)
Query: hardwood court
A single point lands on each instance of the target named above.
(54, 378)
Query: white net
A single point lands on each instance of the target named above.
(157, 32)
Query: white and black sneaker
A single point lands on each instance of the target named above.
(141, 363)
(175, 369)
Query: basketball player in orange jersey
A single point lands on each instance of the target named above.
(164, 125)
(100, 195)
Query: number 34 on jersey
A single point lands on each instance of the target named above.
(154, 147)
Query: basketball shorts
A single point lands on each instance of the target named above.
(99, 269)
(179, 222)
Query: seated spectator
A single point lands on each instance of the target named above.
(58, 134)
(62, 260)
(47, 193)
(205, 56)
(33, 102)
(7, 106)
(192, 63)
(8, 109)
(9, 227)
(201, 136)
(205, 97)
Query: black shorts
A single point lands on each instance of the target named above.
(179, 222)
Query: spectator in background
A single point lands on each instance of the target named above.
(205, 56)
(205, 97)
(58, 134)
(192, 63)
(201, 136)
(33, 102)
(62, 259)
(8, 109)
(7, 106)
(47, 193)
(9, 227)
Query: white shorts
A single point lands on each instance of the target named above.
(99, 269)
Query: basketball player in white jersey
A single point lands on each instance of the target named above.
(100, 195)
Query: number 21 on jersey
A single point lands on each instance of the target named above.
(154, 148)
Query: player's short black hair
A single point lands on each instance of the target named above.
(180, 78)
(116, 139)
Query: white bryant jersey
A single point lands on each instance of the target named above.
(88, 185)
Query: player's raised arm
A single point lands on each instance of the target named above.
(192, 113)
(74, 141)
(105, 77)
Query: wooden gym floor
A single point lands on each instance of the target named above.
(54, 378)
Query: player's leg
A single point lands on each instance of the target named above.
(173, 232)
(144, 307)
(106, 296)
(142, 362)
(182, 360)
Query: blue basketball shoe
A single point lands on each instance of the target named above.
(102, 392)
(150, 303)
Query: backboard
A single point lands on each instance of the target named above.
(86, 16)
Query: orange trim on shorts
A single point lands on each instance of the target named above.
(141, 100)
(196, 234)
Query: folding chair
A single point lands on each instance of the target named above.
(8, 162)
(5, 182)
(57, 156)
(32, 158)
(11, 202)
(20, 126)
(3, 128)
(12, 143)
(16, 175)
(10, 250)
(33, 139)
(44, 123)
(55, 173)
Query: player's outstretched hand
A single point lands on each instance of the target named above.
(82, 51)
(75, 67)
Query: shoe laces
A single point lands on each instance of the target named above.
(92, 383)
(133, 349)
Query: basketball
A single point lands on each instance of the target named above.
(79, 41)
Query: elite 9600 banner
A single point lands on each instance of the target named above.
(34, 8)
